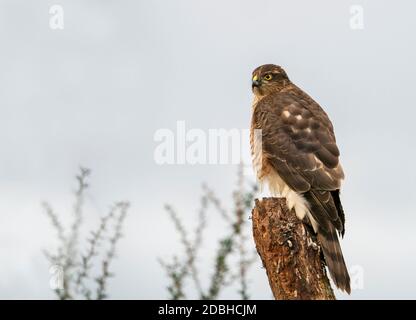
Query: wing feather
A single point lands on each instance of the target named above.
(299, 143)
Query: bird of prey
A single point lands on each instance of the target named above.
(294, 151)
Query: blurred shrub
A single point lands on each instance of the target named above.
(183, 267)
(77, 279)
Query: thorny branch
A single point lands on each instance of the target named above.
(75, 266)
(233, 244)
(122, 207)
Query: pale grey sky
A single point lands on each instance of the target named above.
(95, 92)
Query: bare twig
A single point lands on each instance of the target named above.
(86, 260)
(222, 275)
(122, 208)
(76, 267)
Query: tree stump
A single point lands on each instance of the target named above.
(290, 253)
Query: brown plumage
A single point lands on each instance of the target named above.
(298, 157)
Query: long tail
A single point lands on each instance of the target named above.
(327, 211)
(334, 258)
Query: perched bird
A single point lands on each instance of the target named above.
(294, 151)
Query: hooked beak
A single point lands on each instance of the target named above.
(255, 82)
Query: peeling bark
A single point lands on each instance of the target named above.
(290, 253)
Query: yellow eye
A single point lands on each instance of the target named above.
(268, 77)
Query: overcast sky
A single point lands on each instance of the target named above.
(95, 93)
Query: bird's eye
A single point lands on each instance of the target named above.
(268, 77)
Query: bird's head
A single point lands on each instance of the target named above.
(267, 79)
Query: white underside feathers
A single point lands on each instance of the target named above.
(294, 200)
